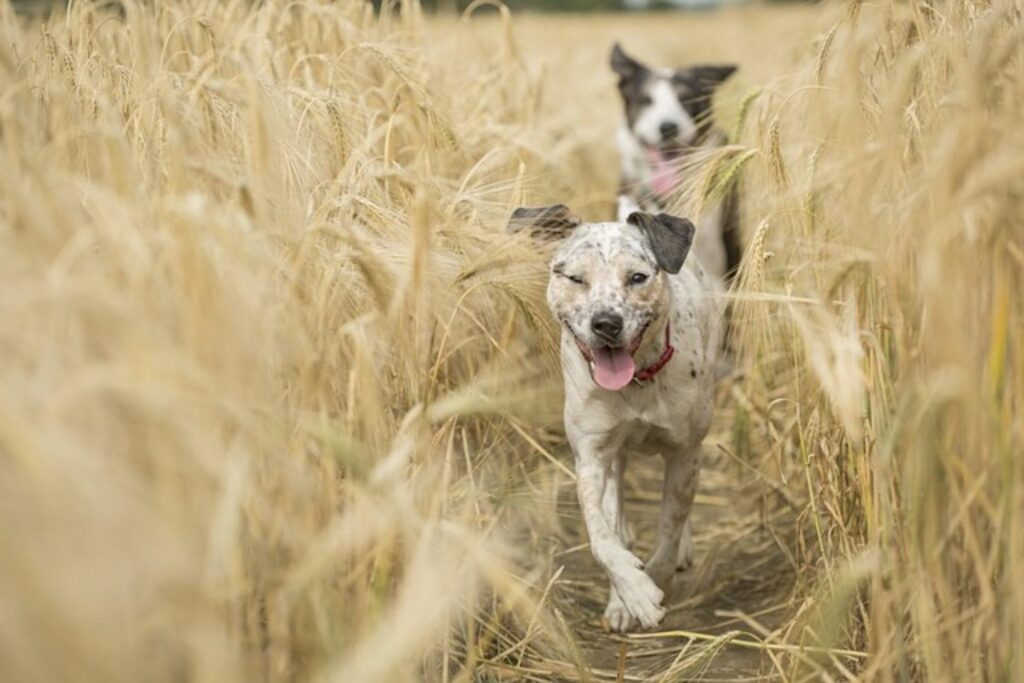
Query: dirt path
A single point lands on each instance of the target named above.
(741, 580)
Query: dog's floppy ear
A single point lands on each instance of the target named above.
(624, 65)
(545, 222)
(711, 76)
(670, 237)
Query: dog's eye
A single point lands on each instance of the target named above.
(578, 279)
(637, 278)
(645, 100)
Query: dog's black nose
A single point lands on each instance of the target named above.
(607, 326)
(668, 130)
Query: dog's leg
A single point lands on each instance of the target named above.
(680, 487)
(616, 615)
(626, 206)
(634, 589)
(612, 502)
(684, 558)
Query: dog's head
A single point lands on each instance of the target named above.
(667, 110)
(608, 280)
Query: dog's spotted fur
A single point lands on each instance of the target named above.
(591, 273)
(604, 261)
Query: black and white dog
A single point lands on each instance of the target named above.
(668, 116)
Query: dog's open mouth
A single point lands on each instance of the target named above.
(612, 367)
(664, 162)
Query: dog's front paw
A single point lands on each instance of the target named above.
(617, 618)
(641, 597)
(638, 593)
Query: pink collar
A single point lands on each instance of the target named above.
(654, 368)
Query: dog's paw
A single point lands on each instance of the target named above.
(638, 592)
(684, 557)
(617, 618)
(641, 597)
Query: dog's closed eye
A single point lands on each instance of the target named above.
(559, 270)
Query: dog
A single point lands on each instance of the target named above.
(668, 116)
(640, 329)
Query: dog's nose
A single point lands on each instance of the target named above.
(607, 326)
(668, 130)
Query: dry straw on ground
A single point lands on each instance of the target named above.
(278, 399)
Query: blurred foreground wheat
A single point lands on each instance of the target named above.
(257, 330)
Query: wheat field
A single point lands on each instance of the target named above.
(279, 398)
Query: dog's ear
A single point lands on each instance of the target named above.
(544, 222)
(670, 237)
(625, 66)
(710, 76)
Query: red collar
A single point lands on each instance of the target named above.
(654, 368)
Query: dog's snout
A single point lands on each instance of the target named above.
(607, 326)
(668, 130)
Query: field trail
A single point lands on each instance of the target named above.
(739, 588)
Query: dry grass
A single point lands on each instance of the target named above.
(278, 399)
(896, 225)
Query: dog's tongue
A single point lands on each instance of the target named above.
(613, 368)
(664, 178)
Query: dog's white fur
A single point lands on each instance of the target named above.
(664, 108)
(669, 415)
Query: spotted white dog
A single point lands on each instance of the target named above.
(667, 117)
(640, 332)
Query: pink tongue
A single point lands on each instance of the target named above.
(665, 176)
(613, 368)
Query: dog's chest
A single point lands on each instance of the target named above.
(654, 421)
(646, 436)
